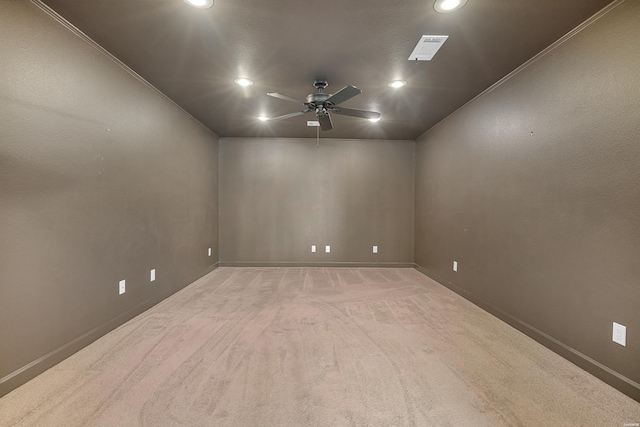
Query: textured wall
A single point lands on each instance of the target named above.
(534, 189)
(101, 179)
(280, 196)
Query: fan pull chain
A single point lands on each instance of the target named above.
(317, 137)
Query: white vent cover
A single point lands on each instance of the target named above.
(313, 123)
(427, 48)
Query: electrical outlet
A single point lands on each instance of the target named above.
(375, 249)
(121, 287)
(327, 249)
(152, 276)
(455, 265)
(209, 252)
(619, 334)
(313, 248)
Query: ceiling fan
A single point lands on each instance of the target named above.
(324, 103)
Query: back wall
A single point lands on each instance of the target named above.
(280, 196)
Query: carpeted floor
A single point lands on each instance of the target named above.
(316, 347)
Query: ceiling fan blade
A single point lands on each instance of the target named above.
(353, 112)
(287, 116)
(285, 97)
(325, 121)
(343, 94)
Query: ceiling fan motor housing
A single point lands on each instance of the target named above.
(317, 98)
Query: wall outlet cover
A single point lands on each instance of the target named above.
(619, 334)
(375, 249)
(313, 248)
(327, 249)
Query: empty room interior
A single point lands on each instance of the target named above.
(345, 213)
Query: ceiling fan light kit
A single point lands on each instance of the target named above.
(323, 103)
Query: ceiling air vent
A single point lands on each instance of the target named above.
(427, 48)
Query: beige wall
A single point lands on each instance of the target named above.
(534, 189)
(280, 196)
(101, 179)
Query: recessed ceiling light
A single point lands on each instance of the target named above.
(263, 118)
(243, 81)
(446, 6)
(375, 120)
(200, 4)
(397, 83)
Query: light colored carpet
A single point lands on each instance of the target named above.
(316, 347)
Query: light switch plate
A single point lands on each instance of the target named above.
(375, 249)
(313, 248)
(209, 252)
(121, 287)
(152, 276)
(327, 249)
(455, 265)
